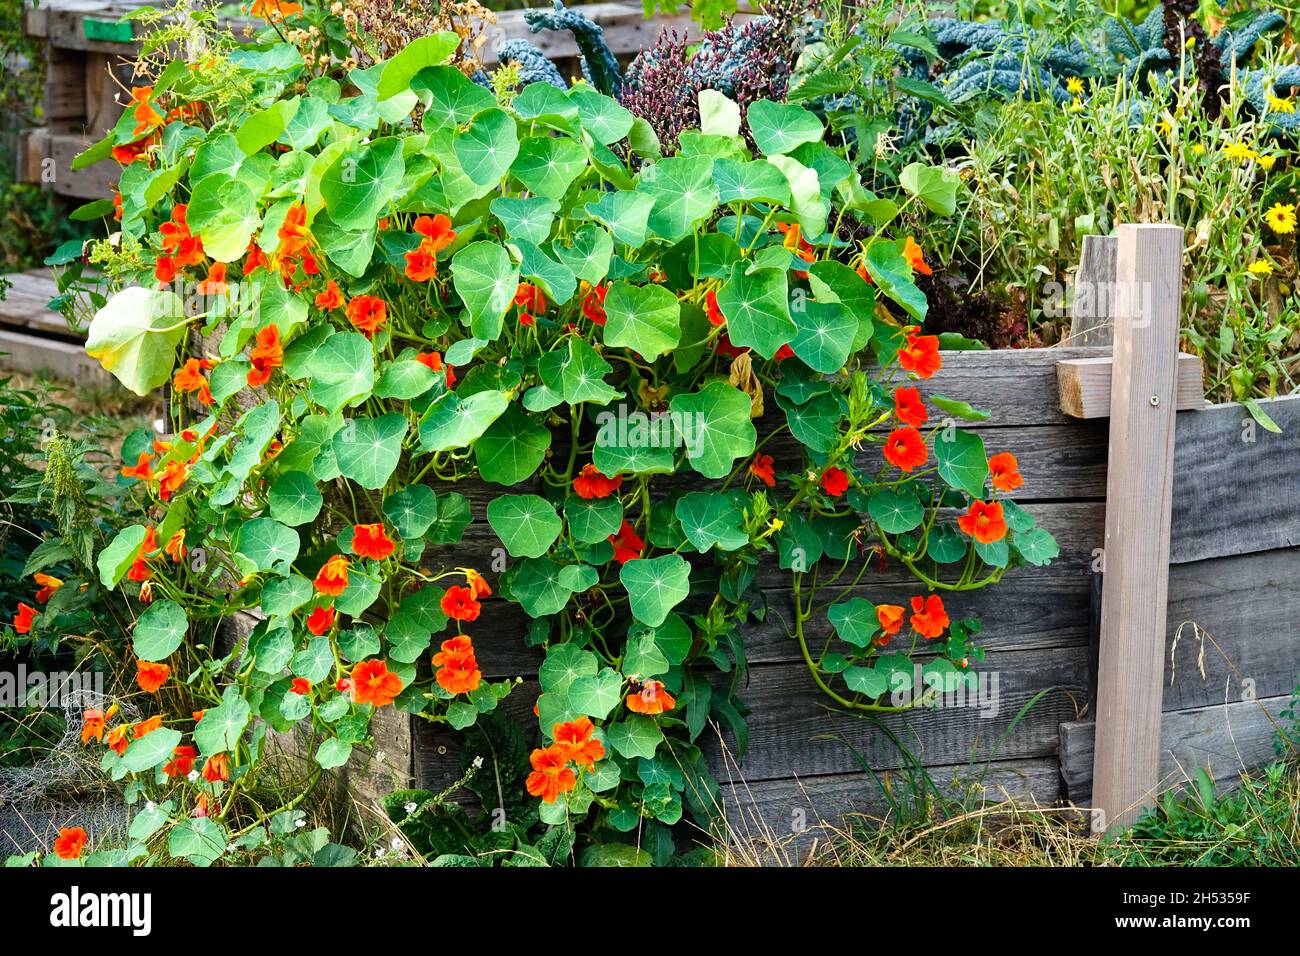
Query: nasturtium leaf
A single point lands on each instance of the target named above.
(268, 545)
(596, 695)
(273, 649)
(411, 510)
(646, 319)
(712, 518)
(547, 104)
(619, 455)
(350, 250)
(223, 213)
(592, 520)
(307, 124)
(757, 310)
(454, 99)
(625, 213)
(798, 546)
(486, 280)
(1036, 546)
(806, 200)
(642, 657)
(892, 275)
(548, 165)
(719, 114)
(362, 182)
(451, 423)
(638, 736)
(946, 545)
(655, 586)
(576, 373)
(487, 147)
(216, 154)
(780, 127)
(588, 253)
(314, 661)
(716, 427)
(454, 516)
(683, 191)
(333, 753)
(512, 448)
(1017, 518)
(256, 428)
(601, 115)
(867, 681)
(555, 279)
(833, 281)
(151, 818)
(962, 461)
(404, 379)
(264, 127)
(282, 596)
(749, 180)
(151, 750)
(526, 524)
(418, 54)
(222, 726)
(368, 449)
(854, 621)
(135, 334)
(200, 841)
(342, 370)
(528, 219)
(160, 630)
(814, 423)
(895, 512)
(825, 335)
(996, 554)
(540, 586)
(564, 664)
(294, 498)
(935, 186)
(116, 559)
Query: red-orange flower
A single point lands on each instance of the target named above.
(215, 283)
(551, 774)
(293, 233)
(70, 843)
(627, 543)
(145, 115)
(190, 378)
(151, 675)
(651, 698)
(530, 298)
(421, 265)
(712, 309)
(593, 306)
(321, 619)
(459, 604)
(929, 617)
(370, 541)
(761, 468)
(331, 298)
(300, 686)
(273, 10)
(1005, 471)
(890, 617)
(915, 257)
(217, 767)
(835, 481)
(116, 739)
(332, 579)
(266, 355)
(141, 470)
(909, 408)
(175, 547)
(368, 314)
(24, 618)
(49, 585)
(590, 484)
(905, 448)
(92, 725)
(920, 354)
(458, 671)
(434, 362)
(148, 726)
(182, 762)
(373, 683)
(577, 737)
(174, 475)
(436, 230)
(477, 583)
(984, 522)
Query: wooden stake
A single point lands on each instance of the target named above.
(1139, 494)
(1094, 293)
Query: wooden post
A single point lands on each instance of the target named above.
(1093, 307)
(1139, 493)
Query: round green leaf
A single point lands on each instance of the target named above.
(655, 586)
(755, 304)
(526, 524)
(715, 426)
(294, 499)
(646, 319)
(134, 336)
(486, 280)
(160, 630)
(855, 621)
(962, 461)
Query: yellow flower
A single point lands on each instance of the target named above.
(1074, 85)
(1198, 148)
(1164, 127)
(1266, 161)
(1281, 217)
(1240, 151)
(1278, 104)
(1261, 267)
(1076, 105)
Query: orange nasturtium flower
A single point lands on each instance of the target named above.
(421, 265)
(477, 583)
(761, 468)
(182, 762)
(593, 306)
(174, 475)
(458, 671)
(190, 378)
(175, 547)
(909, 408)
(433, 361)
(49, 584)
(300, 686)
(70, 843)
(915, 257)
(437, 232)
(116, 740)
(266, 355)
(320, 620)
(141, 470)
(835, 481)
(529, 298)
(890, 617)
(368, 314)
(651, 698)
(459, 604)
(145, 115)
(984, 522)
(627, 543)
(331, 298)
(929, 617)
(332, 579)
(578, 739)
(551, 774)
(215, 283)
(1005, 471)
(370, 541)
(373, 683)
(151, 675)
(274, 9)
(145, 727)
(905, 448)
(217, 767)
(920, 354)
(92, 725)
(590, 484)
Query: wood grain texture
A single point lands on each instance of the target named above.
(1139, 493)
(1225, 740)
(1084, 386)
(32, 353)
(1093, 301)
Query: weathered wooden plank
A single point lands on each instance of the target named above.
(30, 353)
(777, 822)
(26, 304)
(1093, 305)
(1225, 740)
(1084, 386)
(1236, 485)
(1139, 492)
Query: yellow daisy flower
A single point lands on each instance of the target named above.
(1260, 267)
(1076, 105)
(1239, 151)
(1281, 217)
(1277, 104)
(1198, 148)
(1266, 161)
(1074, 85)
(1164, 127)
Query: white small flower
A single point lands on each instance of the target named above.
(396, 844)
(150, 806)
(192, 776)
(410, 808)
(300, 823)
(379, 853)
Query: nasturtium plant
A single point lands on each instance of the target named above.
(668, 372)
